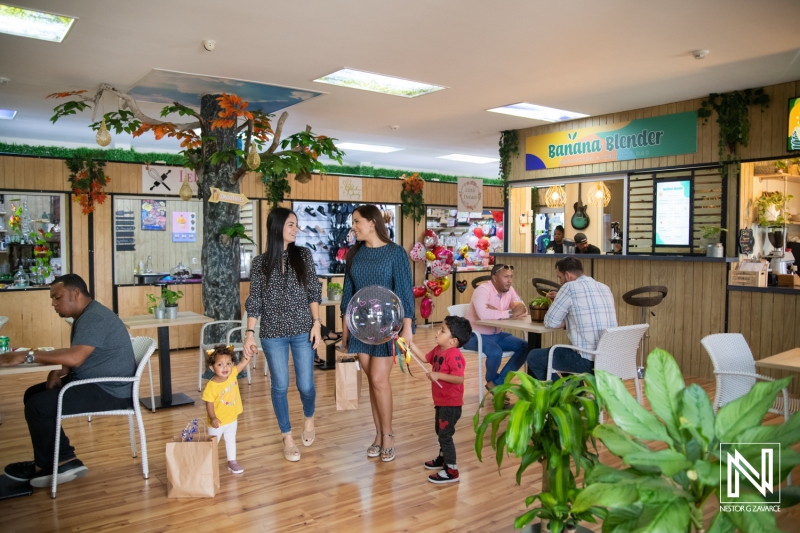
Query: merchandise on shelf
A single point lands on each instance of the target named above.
(471, 237)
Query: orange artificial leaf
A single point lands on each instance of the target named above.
(64, 95)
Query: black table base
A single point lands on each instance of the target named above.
(330, 349)
(167, 398)
(178, 399)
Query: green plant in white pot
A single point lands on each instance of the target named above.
(667, 489)
(771, 208)
(171, 298)
(335, 291)
(551, 423)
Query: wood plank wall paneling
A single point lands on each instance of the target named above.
(519, 203)
(767, 137)
(768, 322)
(80, 242)
(31, 320)
(694, 306)
(103, 249)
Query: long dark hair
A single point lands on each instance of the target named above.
(273, 257)
(369, 212)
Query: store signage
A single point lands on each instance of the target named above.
(227, 197)
(350, 189)
(621, 141)
(673, 213)
(470, 195)
(157, 179)
(793, 141)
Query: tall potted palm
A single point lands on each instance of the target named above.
(550, 423)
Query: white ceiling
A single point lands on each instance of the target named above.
(591, 57)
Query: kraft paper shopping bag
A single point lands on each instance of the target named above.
(348, 384)
(193, 468)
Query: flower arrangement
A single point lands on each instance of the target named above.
(87, 180)
(42, 251)
(412, 197)
(15, 218)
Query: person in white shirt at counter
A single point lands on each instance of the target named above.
(497, 300)
(587, 308)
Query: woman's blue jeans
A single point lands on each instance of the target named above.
(276, 352)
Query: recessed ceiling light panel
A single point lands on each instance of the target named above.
(7, 114)
(469, 158)
(367, 81)
(537, 112)
(367, 148)
(34, 24)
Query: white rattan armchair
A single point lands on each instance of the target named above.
(615, 353)
(237, 347)
(460, 310)
(143, 349)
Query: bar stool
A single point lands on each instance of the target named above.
(645, 298)
(480, 279)
(543, 286)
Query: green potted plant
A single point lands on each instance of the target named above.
(236, 231)
(170, 302)
(550, 423)
(667, 489)
(156, 307)
(771, 209)
(334, 291)
(712, 235)
(538, 308)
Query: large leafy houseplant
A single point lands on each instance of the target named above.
(667, 489)
(87, 179)
(552, 423)
(412, 197)
(771, 208)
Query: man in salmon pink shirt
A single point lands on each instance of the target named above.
(497, 300)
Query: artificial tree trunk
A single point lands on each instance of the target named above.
(220, 261)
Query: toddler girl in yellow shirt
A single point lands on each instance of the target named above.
(223, 402)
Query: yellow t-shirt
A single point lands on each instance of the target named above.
(226, 398)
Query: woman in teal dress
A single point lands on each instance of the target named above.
(376, 260)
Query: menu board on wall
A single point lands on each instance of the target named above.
(673, 216)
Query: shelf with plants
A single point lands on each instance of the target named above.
(788, 177)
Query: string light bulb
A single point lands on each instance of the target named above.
(253, 160)
(103, 137)
(599, 195)
(555, 196)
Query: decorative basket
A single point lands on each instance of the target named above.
(764, 168)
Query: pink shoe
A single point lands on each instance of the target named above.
(234, 467)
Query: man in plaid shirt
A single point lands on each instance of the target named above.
(587, 308)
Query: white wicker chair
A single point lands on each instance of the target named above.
(257, 336)
(615, 353)
(237, 347)
(460, 310)
(735, 370)
(143, 349)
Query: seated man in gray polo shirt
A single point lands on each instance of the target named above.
(100, 346)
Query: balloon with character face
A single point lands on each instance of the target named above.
(440, 269)
(430, 240)
(418, 252)
(374, 315)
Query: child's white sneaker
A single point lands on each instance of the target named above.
(234, 467)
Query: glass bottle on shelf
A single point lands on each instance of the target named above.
(20, 278)
(25, 224)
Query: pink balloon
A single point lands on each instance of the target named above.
(444, 254)
(426, 307)
(500, 232)
(472, 241)
(478, 232)
(417, 253)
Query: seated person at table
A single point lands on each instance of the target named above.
(497, 300)
(100, 347)
(557, 244)
(587, 307)
(582, 245)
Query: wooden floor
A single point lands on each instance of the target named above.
(334, 487)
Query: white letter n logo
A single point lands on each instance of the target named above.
(762, 480)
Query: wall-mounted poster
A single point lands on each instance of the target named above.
(470, 194)
(184, 226)
(673, 213)
(154, 215)
(793, 142)
(350, 189)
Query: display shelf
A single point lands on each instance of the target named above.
(787, 177)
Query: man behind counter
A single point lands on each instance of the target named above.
(582, 245)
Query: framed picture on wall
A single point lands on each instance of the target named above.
(154, 215)
(793, 140)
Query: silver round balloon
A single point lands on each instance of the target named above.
(374, 315)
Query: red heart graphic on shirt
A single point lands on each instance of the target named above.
(443, 424)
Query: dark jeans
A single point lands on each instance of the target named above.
(40, 413)
(564, 359)
(493, 348)
(446, 418)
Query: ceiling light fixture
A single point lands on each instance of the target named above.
(469, 158)
(700, 54)
(7, 114)
(555, 196)
(599, 195)
(34, 24)
(368, 148)
(379, 83)
(537, 112)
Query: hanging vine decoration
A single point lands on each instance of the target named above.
(509, 146)
(412, 198)
(733, 110)
(87, 180)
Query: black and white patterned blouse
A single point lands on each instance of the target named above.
(283, 306)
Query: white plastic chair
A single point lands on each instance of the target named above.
(257, 337)
(237, 347)
(460, 310)
(143, 348)
(735, 370)
(615, 353)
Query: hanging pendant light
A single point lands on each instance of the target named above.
(103, 137)
(253, 160)
(599, 195)
(186, 191)
(555, 196)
